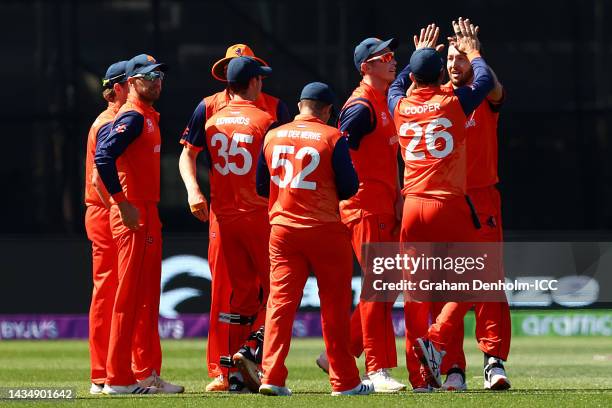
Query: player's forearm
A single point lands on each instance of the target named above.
(471, 96)
(107, 169)
(262, 177)
(100, 190)
(398, 88)
(187, 168)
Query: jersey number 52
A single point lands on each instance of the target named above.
(299, 181)
(433, 138)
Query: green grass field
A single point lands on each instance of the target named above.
(545, 371)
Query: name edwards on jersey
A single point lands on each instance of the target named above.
(238, 120)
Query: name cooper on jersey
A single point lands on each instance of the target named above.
(426, 107)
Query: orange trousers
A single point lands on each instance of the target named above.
(134, 323)
(244, 247)
(433, 220)
(371, 324)
(218, 334)
(104, 273)
(294, 252)
(493, 323)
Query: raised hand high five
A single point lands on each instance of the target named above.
(428, 37)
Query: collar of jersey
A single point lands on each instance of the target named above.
(376, 92)
(241, 103)
(308, 118)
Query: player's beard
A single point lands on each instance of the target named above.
(463, 79)
(151, 93)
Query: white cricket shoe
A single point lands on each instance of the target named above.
(383, 382)
(323, 362)
(423, 389)
(495, 375)
(431, 360)
(128, 389)
(162, 387)
(455, 380)
(96, 389)
(274, 390)
(365, 387)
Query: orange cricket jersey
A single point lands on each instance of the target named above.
(139, 165)
(107, 116)
(302, 189)
(234, 137)
(375, 161)
(431, 129)
(481, 141)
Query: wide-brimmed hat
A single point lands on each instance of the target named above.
(236, 50)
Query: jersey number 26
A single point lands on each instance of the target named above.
(431, 138)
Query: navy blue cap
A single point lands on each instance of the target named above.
(241, 69)
(114, 74)
(318, 91)
(143, 63)
(426, 64)
(371, 46)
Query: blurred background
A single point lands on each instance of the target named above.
(553, 57)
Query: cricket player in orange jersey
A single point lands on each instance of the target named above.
(431, 126)
(128, 162)
(372, 214)
(233, 139)
(218, 357)
(493, 324)
(305, 168)
(97, 225)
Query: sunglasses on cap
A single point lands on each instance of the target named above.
(151, 76)
(386, 57)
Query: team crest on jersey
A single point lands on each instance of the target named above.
(120, 128)
(156, 148)
(150, 126)
(470, 123)
(384, 118)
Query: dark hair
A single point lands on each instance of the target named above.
(427, 81)
(316, 106)
(238, 87)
